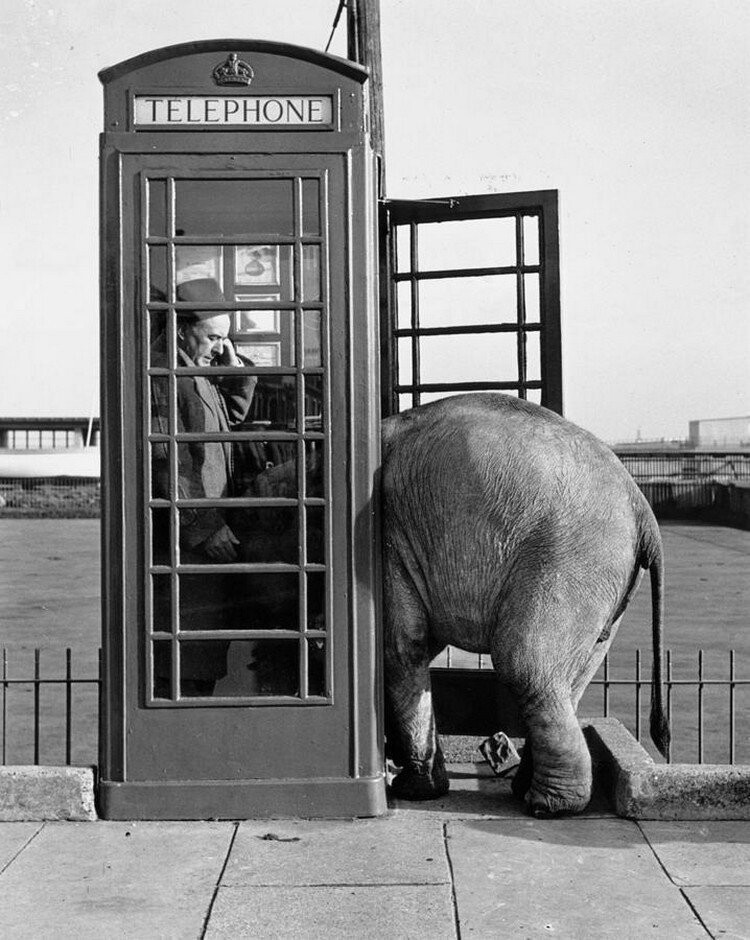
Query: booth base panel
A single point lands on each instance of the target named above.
(243, 799)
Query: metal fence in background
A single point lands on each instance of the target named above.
(55, 719)
(50, 497)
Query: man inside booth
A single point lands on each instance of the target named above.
(205, 404)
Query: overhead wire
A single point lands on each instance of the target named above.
(337, 17)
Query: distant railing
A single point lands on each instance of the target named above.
(42, 716)
(50, 497)
(688, 466)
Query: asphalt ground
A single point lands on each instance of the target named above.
(50, 599)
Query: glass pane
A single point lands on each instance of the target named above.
(157, 274)
(259, 667)
(534, 395)
(403, 248)
(405, 402)
(196, 262)
(265, 337)
(467, 300)
(267, 469)
(162, 651)
(157, 207)
(313, 402)
(313, 339)
(159, 410)
(531, 239)
(403, 303)
(314, 469)
(268, 601)
(157, 338)
(264, 271)
(316, 600)
(531, 295)
(266, 534)
(274, 405)
(160, 473)
(160, 537)
(202, 664)
(470, 358)
(404, 361)
(205, 470)
(533, 357)
(161, 603)
(310, 207)
(310, 272)
(234, 207)
(316, 667)
(316, 536)
(240, 668)
(467, 243)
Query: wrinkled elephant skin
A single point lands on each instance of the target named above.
(509, 531)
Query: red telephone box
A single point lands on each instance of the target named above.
(241, 436)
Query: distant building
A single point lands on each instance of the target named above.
(720, 432)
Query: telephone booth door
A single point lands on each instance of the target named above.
(240, 566)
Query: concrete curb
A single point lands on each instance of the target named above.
(643, 789)
(46, 793)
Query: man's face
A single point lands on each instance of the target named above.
(204, 340)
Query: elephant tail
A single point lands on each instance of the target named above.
(660, 733)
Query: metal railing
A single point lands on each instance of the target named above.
(34, 721)
(26, 725)
(688, 466)
(50, 497)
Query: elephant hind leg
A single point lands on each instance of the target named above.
(412, 740)
(554, 777)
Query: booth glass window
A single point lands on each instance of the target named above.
(235, 423)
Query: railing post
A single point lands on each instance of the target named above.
(68, 705)
(731, 706)
(638, 694)
(37, 687)
(669, 703)
(5, 701)
(700, 706)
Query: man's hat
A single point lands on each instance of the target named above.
(200, 290)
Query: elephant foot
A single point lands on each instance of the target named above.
(544, 803)
(423, 780)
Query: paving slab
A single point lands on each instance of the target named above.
(114, 880)
(576, 878)
(404, 911)
(13, 837)
(703, 853)
(338, 852)
(724, 911)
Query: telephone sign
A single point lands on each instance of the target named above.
(241, 393)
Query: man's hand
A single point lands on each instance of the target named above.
(228, 356)
(220, 545)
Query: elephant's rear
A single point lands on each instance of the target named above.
(488, 480)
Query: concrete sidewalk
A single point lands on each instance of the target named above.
(470, 864)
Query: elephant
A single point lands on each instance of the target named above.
(508, 530)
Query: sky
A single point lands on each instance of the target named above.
(636, 112)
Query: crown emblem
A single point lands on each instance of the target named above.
(233, 72)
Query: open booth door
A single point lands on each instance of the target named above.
(471, 298)
(470, 301)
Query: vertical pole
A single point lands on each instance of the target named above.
(68, 705)
(363, 30)
(37, 685)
